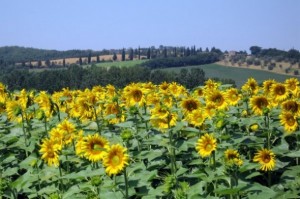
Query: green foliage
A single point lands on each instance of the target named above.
(203, 58)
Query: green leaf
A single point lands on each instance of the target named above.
(127, 124)
(10, 172)
(253, 174)
(293, 154)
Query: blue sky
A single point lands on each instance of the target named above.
(97, 25)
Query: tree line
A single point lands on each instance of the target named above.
(23, 57)
(77, 77)
(199, 59)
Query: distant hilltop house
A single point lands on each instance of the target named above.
(232, 53)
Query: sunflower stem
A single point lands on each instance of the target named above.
(97, 120)
(214, 160)
(57, 109)
(60, 179)
(45, 126)
(269, 179)
(24, 133)
(172, 153)
(126, 183)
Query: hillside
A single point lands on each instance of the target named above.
(15, 54)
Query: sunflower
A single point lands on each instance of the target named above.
(113, 108)
(267, 86)
(291, 106)
(217, 98)
(206, 144)
(56, 135)
(95, 147)
(44, 102)
(266, 159)
(163, 88)
(279, 92)
(13, 110)
(79, 144)
(232, 157)
(251, 86)
(162, 118)
(232, 96)
(292, 85)
(289, 121)
(210, 110)
(50, 150)
(68, 130)
(211, 85)
(196, 117)
(115, 160)
(134, 94)
(190, 104)
(259, 104)
(198, 92)
(177, 90)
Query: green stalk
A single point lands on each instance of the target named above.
(214, 160)
(24, 133)
(269, 179)
(61, 188)
(172, 153)
(126, 183)
(137, 131)
(57, 109)
(97, 120)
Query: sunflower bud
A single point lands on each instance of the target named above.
(96, 181)
(40, 114)
(17, 111)
(126, 134)
(220, 123)
(266, 111)
(254, 127)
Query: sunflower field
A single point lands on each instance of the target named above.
(152, 141)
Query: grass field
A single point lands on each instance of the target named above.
(239, 75)
(120, 63)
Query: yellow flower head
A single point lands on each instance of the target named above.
(232, 96)
(218, 98)
(232, 157)
(196, 117)
(177, 90)
(211, 85)
(134, 94)
(289, 121)
(13, 110)
(206, 144)
(291, 106)
(198, 92)
(162, 118)
(266, 159)
(68, 130)
(113, 108)
(279, 92)
(49, 150)
(267, 86)
(292, 85)
(251, 86)
(190, 104)
(95, 147)
(259, 104)
(115, 160)
(44, 102)
(79, 147)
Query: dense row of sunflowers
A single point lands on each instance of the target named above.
(152, 141)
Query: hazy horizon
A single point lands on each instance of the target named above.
(95, 25)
